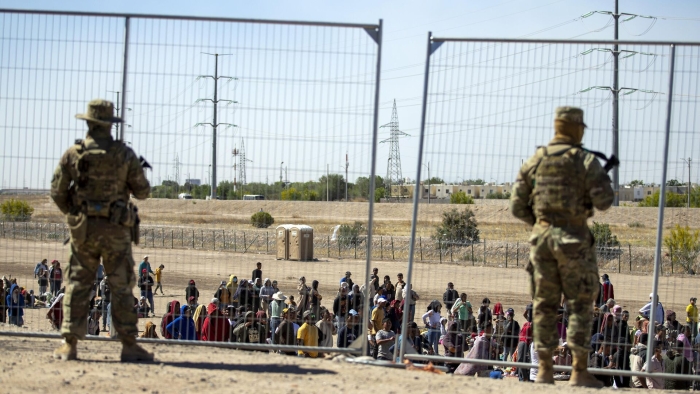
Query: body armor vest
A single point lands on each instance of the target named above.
(101, 179)
(559, 192)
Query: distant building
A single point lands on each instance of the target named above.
(194, 182)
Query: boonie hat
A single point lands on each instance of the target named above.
(100, 111)
(569, 115)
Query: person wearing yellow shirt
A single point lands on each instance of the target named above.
(307, 335)
(376, 320)
(159, 274)
(692, 319)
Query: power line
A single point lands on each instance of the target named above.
(213, 124)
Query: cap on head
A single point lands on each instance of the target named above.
(569, 115)
(352, 312)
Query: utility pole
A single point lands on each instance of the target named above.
(281, 169)
(616, 89)
(688, 161)
(177, 171)
(328, 174)
(346, 176)
(428, 165)
(118, 109)
(214, 125)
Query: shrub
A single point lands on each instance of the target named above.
(683, 247)
(498, 196)
(456, 228)
(603, 235)
(261, 219)
(379, 193)
(16, 210)
(291, 194)
(673, 200)
(461, 197)
(635, 224)
(351, 235)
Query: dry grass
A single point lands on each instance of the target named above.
(632, 225)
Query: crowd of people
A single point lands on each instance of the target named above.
(256, 311)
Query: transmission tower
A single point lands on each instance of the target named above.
(177, 169)
(241, 164)
(393, 168)
(213, 124)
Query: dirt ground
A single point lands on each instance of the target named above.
(179, 369)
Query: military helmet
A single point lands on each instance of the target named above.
(569, 115)
(101, 112)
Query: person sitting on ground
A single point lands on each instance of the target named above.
(675, 363)
(142, 308)
(603, 358)
(483, 349)
(562, 358)
(308, 335)
(149, 331)
(261, 319)
(182, 328)
(249, 331)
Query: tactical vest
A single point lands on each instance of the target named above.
(101, 178)
(559, 192)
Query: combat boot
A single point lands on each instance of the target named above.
(580, 375)
(68, 351)
(131, 352)
(545, 371)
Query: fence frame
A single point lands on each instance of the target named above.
(433, 44)
(375, 31)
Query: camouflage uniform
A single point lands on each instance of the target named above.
(555, 192)
(92, 185)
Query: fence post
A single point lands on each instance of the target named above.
(213, 236)
(392, 248)
(381, 248)
(26, 230)
(223, 235)
(472, 252)
(506, 255)
(182, 237)
(630, 251)
(244, 243)
(172, 236)
(440, 249)
(192, 239)
(671, 254)
(452, 247)
(619, 257)
(201, 233)
(517, 253)
(41, 233)
(356, 249)
(420, 245)
(234, 241)
(328, 239)
(338, 247)
(484, 251)
(267, 242)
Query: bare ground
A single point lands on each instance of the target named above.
(180, 369)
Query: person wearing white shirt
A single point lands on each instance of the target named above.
(646, 309)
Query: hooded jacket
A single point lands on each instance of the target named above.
(173, 313)
(216, 326)
(14, 308)
(182, 327)
(198, 317)
(249, 334)
(191, 291)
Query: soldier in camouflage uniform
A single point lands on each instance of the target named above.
(91, 186)
(555, 192)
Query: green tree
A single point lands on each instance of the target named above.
(435, 181)
(684, 247)
(456, 228)
(335, 186)
(636, 182)
(379, 193)
(361, 188)
(603, 235)
(291, 194)
(16, 210)
(477, 181)
(262, 219)
(674, 182)
(461, 197)
(673, 200)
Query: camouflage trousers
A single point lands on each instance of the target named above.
(562, 261)
(111, 243)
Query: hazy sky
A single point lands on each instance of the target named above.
(163, 114)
